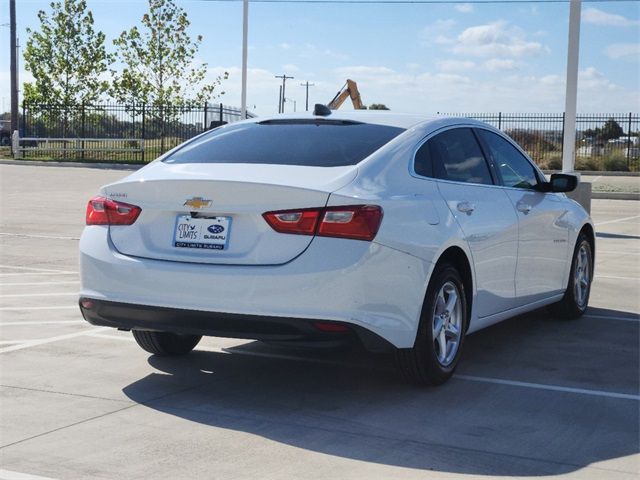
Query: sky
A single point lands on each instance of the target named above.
(424, 58)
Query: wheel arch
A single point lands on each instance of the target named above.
(457, 257)
(588, 230)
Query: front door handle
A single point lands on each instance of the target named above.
(466, 207)
(524, 207)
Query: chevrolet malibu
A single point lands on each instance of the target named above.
(402, 232)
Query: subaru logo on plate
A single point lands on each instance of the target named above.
(215, 228)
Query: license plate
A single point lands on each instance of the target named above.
(211, 233)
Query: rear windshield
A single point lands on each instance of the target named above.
(310, 143)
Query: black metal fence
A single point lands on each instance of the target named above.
(129, 133)
(603, 141)
(140, 133)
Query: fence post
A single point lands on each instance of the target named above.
(205, 117)
(499, 120)
(143, 129)
(82, 130)
(221, 113)
(24, 119)
(562, 144)
(629, 143)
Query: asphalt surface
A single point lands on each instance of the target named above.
(533, 396)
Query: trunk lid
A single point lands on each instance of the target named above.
(226, 200)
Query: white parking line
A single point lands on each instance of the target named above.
(27, 235)
(617, 220)
(54, 307)
(66, 282)
(33, 274)
(56, 294)
(612, 317)
(9, 475)
(43, 322)
(635, 279)
(553, 388)
(33, 269)
(44, 341)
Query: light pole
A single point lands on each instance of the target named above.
(571, 95)
(14, 66)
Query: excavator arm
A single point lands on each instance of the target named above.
(350, 89)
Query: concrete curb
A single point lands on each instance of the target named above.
(101, 166)
(615, 195)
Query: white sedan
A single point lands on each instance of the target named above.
(400, 231)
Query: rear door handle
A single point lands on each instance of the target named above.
(466, 207)
(524, 208)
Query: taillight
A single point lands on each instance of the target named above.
(298, 222)
(104, 211)
(360, 222)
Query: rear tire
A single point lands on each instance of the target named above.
(165, 343)
(576, 297)
(441, 332)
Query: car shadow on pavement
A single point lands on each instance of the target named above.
(351, 404)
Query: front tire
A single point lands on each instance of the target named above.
(576, 297)
(165, 343)
(441, 332)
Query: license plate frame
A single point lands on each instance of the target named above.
(202, 233)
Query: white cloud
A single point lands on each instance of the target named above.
(621, 50)
(464, 8)
(455, 65)
(284, 46)
(598, 17)
(496, 39)
(500, 64)
(289, 67)
(438, 32)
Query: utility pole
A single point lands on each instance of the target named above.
(284, 82)
(307, 85)
(280, 99)
(245, 34)
(14, 67)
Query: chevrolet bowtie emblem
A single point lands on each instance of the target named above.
(197, 202)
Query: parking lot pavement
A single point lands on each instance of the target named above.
(533, 396)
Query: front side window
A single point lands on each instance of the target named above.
(458, 157)
(311, 143)
(515, 170)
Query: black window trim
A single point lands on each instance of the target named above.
(494, 168)
(423, 141)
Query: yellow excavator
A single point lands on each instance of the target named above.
(350, 89)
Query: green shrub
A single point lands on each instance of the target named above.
(552, 162)
(587, 164)
(616, 163)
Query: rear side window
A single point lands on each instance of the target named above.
(312, 143)
(458, 157)
(515, 169)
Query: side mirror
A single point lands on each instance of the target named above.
(561, 182)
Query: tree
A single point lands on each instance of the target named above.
(611, 129)
(159, 61)
(378, 106)
(67, 57)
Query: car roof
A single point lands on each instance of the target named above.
(377, 117)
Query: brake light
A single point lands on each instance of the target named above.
(360, 222)
(104, 211)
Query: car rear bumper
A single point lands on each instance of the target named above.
(363, 284)
(259, 327)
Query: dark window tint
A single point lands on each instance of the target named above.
(515, 169)
(290, 142)
(422, 164)
(459, 157)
